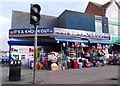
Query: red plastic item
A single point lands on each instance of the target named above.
(77, 46)
(37, 67)
(88, 64)
(76, 65)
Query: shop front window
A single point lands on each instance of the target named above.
(98, 26)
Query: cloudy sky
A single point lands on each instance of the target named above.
(49, 7)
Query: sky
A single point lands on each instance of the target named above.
(48, 7)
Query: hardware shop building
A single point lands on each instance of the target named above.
(70, 26)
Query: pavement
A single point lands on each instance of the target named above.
(96, 75)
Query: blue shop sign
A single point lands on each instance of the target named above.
(81, 33)
(31, 31)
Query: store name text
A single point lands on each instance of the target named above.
(31, 31)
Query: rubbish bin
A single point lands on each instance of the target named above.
(15, 71)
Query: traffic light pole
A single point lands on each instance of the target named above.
(35, 20)
(35, 48)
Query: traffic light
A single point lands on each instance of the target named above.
(35, 14)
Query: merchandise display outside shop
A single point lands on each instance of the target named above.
(73, 55)
(70, 49)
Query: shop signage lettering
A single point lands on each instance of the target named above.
(80, 33)
(60, 31)
(44, 31)
(31, 31)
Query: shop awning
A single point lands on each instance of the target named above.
(95, 41)
(29, 43)
(68, 39)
